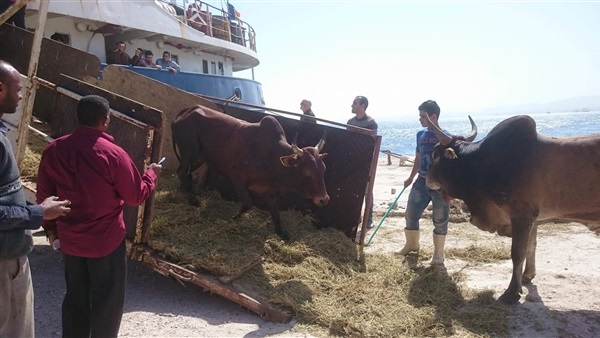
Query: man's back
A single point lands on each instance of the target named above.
(99, 177)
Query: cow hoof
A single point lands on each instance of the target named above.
(284, 236)
(510, 298)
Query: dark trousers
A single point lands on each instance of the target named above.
(93, 305)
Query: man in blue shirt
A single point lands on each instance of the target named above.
(167, 63)
(420, 195)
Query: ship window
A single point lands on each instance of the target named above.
(204, 66)
(213, 67)
(175, 58)
(64, 38)
(221, 72)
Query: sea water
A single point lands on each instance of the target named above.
(400, 136)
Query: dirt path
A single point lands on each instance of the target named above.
(155, 306)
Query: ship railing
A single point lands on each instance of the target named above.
(215, 22)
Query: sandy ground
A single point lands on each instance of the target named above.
(563, 301)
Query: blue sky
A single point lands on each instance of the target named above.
(468, 56)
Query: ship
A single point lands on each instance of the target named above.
(209, 43)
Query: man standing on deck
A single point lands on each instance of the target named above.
(118, 55)
(167, 63)
(17, 219)
(359, 108)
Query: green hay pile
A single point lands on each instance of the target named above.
(319, 276)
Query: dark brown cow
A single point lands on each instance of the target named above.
(515, 179)
(256, 157)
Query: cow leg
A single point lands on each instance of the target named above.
(277, 224)
(529, 273)
(274, 210)
(241, 211)
(521, 228)
(243, 194)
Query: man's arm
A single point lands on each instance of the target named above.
(111, 57)
(175, 65)
(132, 187)
(414, 170)
(19, 217)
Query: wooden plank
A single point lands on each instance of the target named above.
(169, 100)
(16, 49)
(253, 303)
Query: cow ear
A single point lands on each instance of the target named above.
(450, 154)
(322, 156)
(289, 161)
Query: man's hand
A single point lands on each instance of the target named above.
(408, 181)
(156, 167)
(53, 208)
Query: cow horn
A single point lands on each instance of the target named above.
(473, 134)
(295, 148)
(321, 143)
(444, 139)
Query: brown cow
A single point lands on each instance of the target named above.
(515, 179)
(255, 157)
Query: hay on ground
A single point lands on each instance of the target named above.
(317, 275)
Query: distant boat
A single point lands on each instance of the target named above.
(210, 44)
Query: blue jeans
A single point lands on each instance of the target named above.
(419, 198)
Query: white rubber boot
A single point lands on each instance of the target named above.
(412, 242)
(438, 249)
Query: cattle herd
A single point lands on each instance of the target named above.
(512, 180)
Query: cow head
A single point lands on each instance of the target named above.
(309, 171)
(444, 171)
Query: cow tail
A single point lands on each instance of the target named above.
(175, 144)
(181, 113)
(175, 150)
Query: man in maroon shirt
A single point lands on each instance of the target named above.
(98, 177)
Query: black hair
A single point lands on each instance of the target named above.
(58, 37)
(430, 107)
(166, 52)
(148, 52)
(92, 110)
(363, 101)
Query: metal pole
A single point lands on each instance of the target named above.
(30, 90)
(385, 215)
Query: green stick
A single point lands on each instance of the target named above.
(385, 215)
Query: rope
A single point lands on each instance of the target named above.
(385, 215)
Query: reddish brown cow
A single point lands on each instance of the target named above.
(255, 157)
(515, 179)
